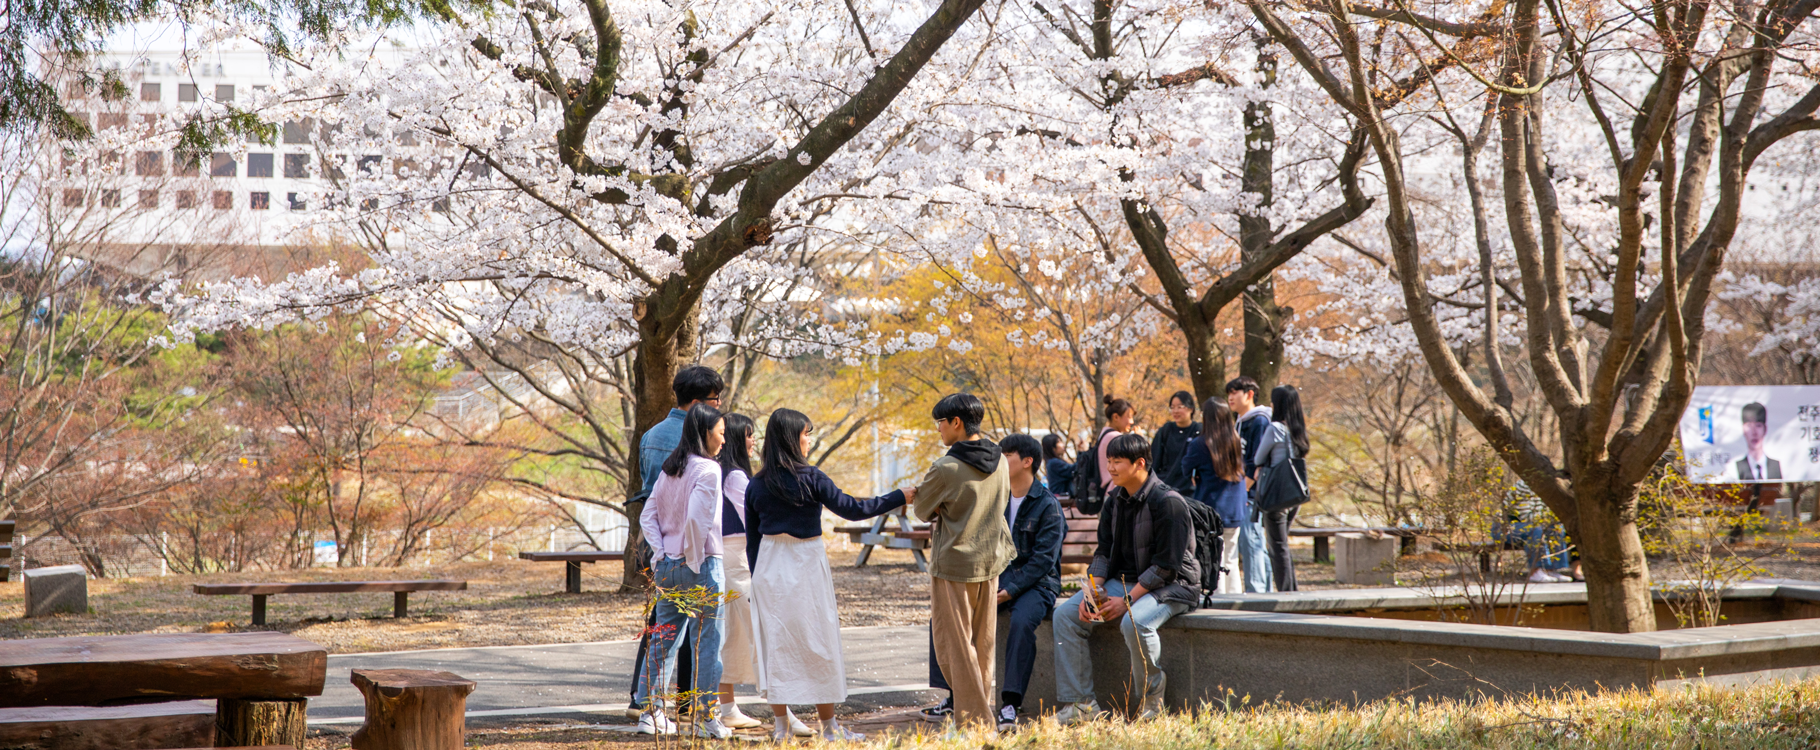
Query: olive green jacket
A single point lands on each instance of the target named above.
(970, 539)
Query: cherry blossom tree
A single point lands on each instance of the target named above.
(1626, 136)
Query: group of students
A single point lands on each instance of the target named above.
(750, 544)
(1219, 461)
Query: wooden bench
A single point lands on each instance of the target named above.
(1323, 537)
(572, 563)
(401, 591)
(140, 691)
(1082, 537)
(6, 549)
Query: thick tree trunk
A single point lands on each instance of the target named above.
(1206, 360)
(1611, 554)
(667, 340)
(1262, 355)
(253, 723)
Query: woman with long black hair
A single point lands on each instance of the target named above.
(1215, 467)
(1285, 440)
(681, 520)
(795, 621)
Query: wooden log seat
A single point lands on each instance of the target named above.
(259, 591)
(97, 670)
(134, 727)
(412, 709)
(572, 563)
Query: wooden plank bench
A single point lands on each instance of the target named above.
(261, 682)
(1323, 537)
(572, 562)
(1082, 536)
(401, 591)
(6, 549)
(134, 727)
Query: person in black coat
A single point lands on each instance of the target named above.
(1028, 589)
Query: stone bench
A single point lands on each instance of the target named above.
(1323, 537)
(401, 591)
(572, 562)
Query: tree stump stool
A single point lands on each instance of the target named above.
(412, 709)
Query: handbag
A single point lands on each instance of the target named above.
(1282, 490)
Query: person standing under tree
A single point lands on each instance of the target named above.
(964, 497)
(1172, 440)
(1254, 555)
(1215, 467)
(1286, 439)
(1028, 588)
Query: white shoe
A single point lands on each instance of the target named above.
(1152, 706)
(655, 722)
(799, 729)
(733, 718)
(1076, 713)
(1544, 576)
(832, 730)
(713, 729)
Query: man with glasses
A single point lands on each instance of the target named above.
(694, 384)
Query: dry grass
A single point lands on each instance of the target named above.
(1761, 718)
(508, 602)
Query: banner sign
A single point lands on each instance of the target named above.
(1752, 434)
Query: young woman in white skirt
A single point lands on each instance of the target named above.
(738, 650)
(796, 624)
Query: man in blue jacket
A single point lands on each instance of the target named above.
(1242, 396)
(1027, 590)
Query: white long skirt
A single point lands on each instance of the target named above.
(738, 652)
(798, 627)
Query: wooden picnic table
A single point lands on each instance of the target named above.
(259, 591)
(572, 563)
(907, 536)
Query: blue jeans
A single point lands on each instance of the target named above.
(1254, 553)
(670, 623)
(1543, 544)
(1073, 662)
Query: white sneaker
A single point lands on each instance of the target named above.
(1007, 718)
(799, 729)
(832, 730)
(733, 718)
(713, 729)
(1544, 576)
(1076, 713)
(655, 722)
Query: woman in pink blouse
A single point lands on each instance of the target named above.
(681, 520)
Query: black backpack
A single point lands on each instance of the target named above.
(1208, 546)
(1089, 496)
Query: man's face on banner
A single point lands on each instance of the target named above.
(1754, 432)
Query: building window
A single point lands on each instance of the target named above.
(110, 162)
(298, 132)
(297, 166)
(148, 199)
(72, 199)
(296, 200)
(186, 199)
(112, 120)
(150, 92)
(259, 165)
(224, 92)
(149, 164)
(222, 165)
(186, 165)
(259, 201)
(224, 200)
(110, 199)
(186, 92)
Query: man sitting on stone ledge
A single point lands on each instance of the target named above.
(1144, 572)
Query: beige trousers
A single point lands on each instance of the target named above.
(964, 621)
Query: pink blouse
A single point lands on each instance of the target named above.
(681, 519)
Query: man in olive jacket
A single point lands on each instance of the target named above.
(965, 496)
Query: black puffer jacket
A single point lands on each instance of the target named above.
(1160, 538)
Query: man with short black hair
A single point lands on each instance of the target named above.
(1144, 572)
(1028, 588)
(1254, 555)
(1755, 466)
(964, 497)
(1172, 442)
(692, 385)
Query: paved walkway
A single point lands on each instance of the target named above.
(886, 666)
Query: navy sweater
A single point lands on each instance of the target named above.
(767, 513)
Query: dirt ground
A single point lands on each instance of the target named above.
(513, 602)
(508, 602)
